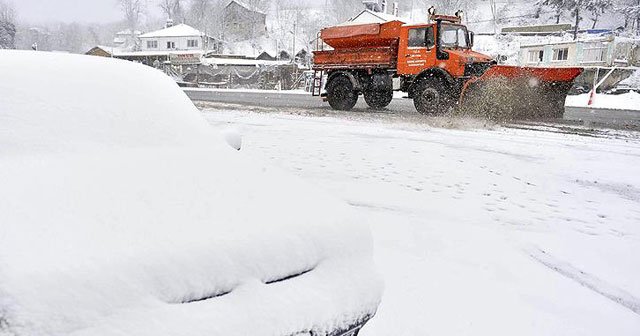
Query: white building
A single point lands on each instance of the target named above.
(601, 52)
(597, 56)
(178, 38)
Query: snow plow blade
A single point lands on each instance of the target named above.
(511, 92)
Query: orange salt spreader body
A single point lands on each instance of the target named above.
(434, 64)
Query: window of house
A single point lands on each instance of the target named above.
(536, 56)
(152, 44)
(421, 37)
(192, 43)
(171, 45)
(594, 53)
(560, 54)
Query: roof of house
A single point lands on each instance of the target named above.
(108, 50)
(179, 30)
(245, 6)
(368, 16)
(128, 32)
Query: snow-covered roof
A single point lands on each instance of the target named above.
(128, 32)
(246, 6)
(105, 48)
(180, 30)
(368, 16)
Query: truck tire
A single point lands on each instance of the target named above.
(341, 94)
(430, 96)
(378, 99)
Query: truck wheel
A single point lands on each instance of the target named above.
(378, 99)
(340, 94)
(430, 96)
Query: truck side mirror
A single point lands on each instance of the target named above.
(472, 36)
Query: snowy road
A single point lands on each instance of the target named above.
(295, 99)
(477, 231)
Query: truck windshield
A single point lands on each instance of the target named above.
(453, 36)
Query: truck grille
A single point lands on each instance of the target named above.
(476, 69)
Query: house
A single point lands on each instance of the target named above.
(102, 51)
(180, 37)
(598, 56)
(242, 21)
(265, 56)
(179, 45)
(601, 51)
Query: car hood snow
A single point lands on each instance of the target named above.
(122, 213)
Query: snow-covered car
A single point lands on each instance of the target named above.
(122, 212)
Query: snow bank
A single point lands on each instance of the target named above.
(625, 101)
(478, 232)
(122, 214)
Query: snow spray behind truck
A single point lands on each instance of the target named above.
(434, 64)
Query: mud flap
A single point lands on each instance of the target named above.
(505, 93)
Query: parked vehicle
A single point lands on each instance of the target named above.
(123, 212)
(434, 64)
(622, 88)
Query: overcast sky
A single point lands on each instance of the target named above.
(86, 11)
(39, 11)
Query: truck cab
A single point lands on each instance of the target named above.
(445, 44)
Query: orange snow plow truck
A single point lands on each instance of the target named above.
(434, 64)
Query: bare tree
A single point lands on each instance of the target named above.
(200, 13)
(597, 8)
(449, 6)
(345, 9)
(7, 25)
(631, 11)
(132, 11)
(7, 12)
(173, 9)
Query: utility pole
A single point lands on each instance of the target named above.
(295, 71)
(575, 29)
(293, 55)
(492, 3)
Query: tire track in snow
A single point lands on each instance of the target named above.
(587, 280)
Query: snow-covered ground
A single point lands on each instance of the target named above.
(477, 232)
(625, 101)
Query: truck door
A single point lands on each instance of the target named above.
(416, 50)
